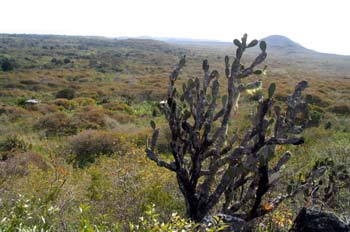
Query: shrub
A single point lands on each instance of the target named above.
(122, 117)
(66, 93)
(14, 143)
(89, 144)
(316, 116)
(66, 61)
(19, 163)
(119, 106)
(84, 101)
(56, 61)
(65, 103)
(43, 108)
(7, 64)
(340, 109)
(55, 124)
(151, 222)
(90, 118)
(14, 113)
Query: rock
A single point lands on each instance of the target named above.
(32, 102)
(310, 220)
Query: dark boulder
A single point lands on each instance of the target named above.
(310, 220)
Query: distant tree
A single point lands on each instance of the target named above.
(7, 64)
(56, 61)
(66, 61)
(66, 93)
(215, 169)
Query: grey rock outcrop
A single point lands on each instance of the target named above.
(310, 220)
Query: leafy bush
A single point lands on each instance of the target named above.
(43, 108)
(84, 101)
(146, 108)
(122, 117)
(21, 217)
(7, 64)
(118, 106)
(14, 143)
(315, 117)
(66, 93)
(18, 164)
(66, 60)
(151, 222)
(55, 124)
(90, 118)
(65, 103)
(14, 113)
(89, 144)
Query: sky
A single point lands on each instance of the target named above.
(321, 25)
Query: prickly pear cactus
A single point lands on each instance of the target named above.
(213, 169)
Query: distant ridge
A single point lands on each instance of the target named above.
(282, 41)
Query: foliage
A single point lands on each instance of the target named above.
(56, 124)
(19, 163)
(7, 64)
(90, 118)
(14, 143)
(66, 93)
(65, 103)
(151, 222)
(88, 145)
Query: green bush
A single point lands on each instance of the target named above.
(151, 222)
(315, 117)
(14, 143)
(14, 113)
(19, 163)
(55, 124)
(84, 101)
(89, 144)
(65, 103)
(7, 64)
(66, 93)
(90, 118)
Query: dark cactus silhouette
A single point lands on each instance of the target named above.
(234, 172)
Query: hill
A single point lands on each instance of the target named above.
(282, 42)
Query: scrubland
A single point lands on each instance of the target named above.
(76, 161)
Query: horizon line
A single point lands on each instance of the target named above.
(162, 39)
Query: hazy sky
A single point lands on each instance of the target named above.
(322, 25)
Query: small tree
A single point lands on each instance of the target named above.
(7, 64)
(214, 169)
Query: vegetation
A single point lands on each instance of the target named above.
(76, 162)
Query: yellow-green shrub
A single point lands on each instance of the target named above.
(90, 118)
(19, 163)
(84, 101)
(89, 144)
(65, 103)
(55, 124)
